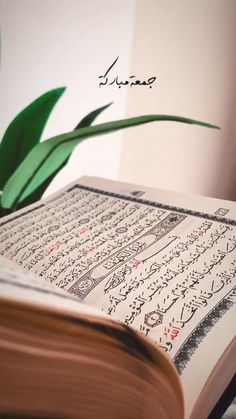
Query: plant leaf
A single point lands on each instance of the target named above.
(24, 132)
(88, 119)
(38, 192)
(47, 156)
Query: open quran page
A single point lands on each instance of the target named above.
(19, 285)
(161, 262)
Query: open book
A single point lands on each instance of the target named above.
(117, 301)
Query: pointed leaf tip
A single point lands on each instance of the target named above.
(89, 118)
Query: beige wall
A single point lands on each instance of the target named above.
(191, 47)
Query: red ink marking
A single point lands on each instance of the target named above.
(92, 248)
(171, 331)
(81, 231)
(136, 262)
(53, 248)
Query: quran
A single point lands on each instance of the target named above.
(117, 301)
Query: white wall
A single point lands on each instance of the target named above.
(52, 43)
(190, 46)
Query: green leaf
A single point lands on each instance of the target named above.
(38, 192)
(24, 132)
(47, 156)
(88, 119)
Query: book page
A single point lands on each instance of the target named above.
(20, 285)
(165, 270)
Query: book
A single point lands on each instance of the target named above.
(117, 300)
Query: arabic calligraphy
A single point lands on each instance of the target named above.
(131, 81)
(158, 270)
